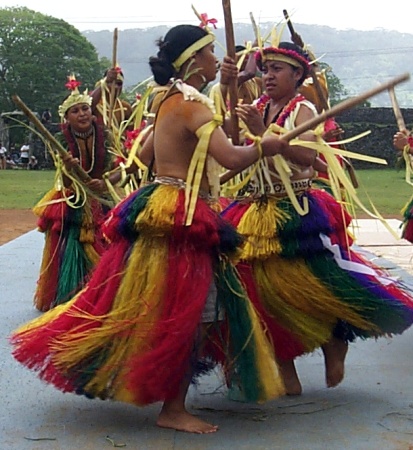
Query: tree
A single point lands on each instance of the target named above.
(37, 54)
(336, 91)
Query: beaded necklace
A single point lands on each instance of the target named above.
(85, 134)
(99, 155)
(90, 153)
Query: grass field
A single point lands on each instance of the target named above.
(387, 190)
(21, 189)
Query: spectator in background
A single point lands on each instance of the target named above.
(46, 116)
(10, 163)
(33, 163)
(3, 154)
(24, 155)
(14, 154)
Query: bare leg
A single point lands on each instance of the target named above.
(174, 414)
(290, 377)
(335, 351)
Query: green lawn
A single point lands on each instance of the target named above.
(21, 189)
(387, 190)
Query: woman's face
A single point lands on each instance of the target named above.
(118, 86)
(207, 60)
(280, 79)
(80, 117)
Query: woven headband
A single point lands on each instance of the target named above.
(192, 49)
(75, 96)
(279, 54)
(282, 58)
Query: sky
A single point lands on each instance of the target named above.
(123, 14)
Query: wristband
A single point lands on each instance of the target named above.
(256, 140)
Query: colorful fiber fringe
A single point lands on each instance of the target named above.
(310, 283)
(133, 333)
(73, 245)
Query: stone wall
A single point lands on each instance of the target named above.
(381, 123)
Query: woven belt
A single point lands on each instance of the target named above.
(279, 188)
(181, 184)
(297, 185)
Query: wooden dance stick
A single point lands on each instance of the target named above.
(398, 114)
(296, 38)
(334, 111)
(233, 86)
(255, 28)
(113, 87)
(344, 106)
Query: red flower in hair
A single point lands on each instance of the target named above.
(72, 84)
(118, 69)
(132, 135)
(206, 21)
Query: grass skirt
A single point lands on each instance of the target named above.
(309, 282)
(133, 333)
(73, 245)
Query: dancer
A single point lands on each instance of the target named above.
(249, 86)
(403, 142)
(165, 303)
(314, 289)
(106, 101)
(69, 215)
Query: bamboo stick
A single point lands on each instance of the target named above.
(334, 111)
(233, 86)
(255, 29)
(296, 38)
(344, 106)
(113, 87)
(323, 100)
(398, 114)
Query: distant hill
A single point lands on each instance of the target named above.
(360, 59)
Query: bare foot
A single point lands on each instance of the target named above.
(289, 374)
(334, 356)
(183, 421)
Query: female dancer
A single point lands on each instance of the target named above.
(70, 215)
(313, 288)
(164, 303)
